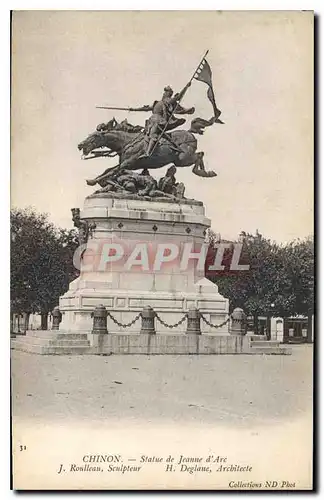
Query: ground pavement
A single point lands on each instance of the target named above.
(237, 389)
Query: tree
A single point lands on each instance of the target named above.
(41, 262)
(280, 280)
(300, 268)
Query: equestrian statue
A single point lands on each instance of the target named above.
(157, 144)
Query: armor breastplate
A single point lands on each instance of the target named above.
(163, 109)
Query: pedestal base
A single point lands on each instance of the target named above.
(53, 343)
(125, 305)
(170, 291)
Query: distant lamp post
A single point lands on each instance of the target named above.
(270, 315)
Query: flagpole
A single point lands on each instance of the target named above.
(193, 76)
(167, 123)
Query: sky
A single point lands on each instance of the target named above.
(65, 63)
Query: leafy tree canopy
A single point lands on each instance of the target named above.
(41, 261)
(280, 281)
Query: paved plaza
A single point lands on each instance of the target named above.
(238, 389)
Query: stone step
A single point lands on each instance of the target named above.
(54, 341)
(24, 346)
(122, 344)
(72, 336)
(32, 341)
(76, 349)
(55, 334)
(45, 349)
(67, 343)
(270, 350)
(266, 343)
(46, 334)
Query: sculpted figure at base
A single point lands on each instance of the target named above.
(85, 229)
(169, 185)
(144, 185)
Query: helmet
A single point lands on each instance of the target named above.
(168, 89)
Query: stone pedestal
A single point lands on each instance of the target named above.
(171, 291)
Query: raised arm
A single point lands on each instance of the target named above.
(180, 95)
(142, 108)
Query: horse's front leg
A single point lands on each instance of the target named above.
(129, 161)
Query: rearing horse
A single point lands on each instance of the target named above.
(179, 148)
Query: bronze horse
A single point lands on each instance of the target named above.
(129, 143)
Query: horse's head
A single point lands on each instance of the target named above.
(98, 139)
(111, 135)
(93, 141)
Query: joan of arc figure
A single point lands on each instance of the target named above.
(162, 115)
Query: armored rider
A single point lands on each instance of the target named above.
(162, 114)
